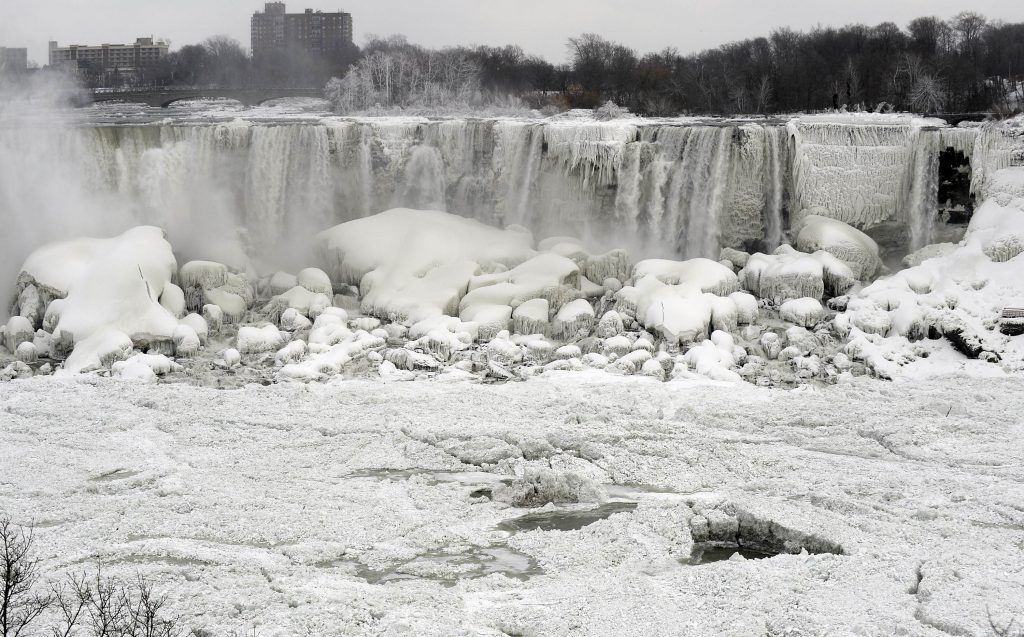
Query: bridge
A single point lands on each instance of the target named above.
(162, 98)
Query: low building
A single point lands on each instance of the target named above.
(316, 32)
(124, 59)
(13, 60)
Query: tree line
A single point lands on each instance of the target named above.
(963, 64)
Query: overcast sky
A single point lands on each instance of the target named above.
(539, 26)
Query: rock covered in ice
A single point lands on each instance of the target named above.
(805, 312)
(846, 243)
(315, 280)
(412, 264)
(198, 325)
(713, 358)
(231, 357)
(186, 341)
(253, 340)
(111, 286)
(26, 352)
(709, 276)
(574, 317)
(679, 313)
(15, 370)
(788, 274)
(737, 258)
(292, 320)
(545, 276)
(30, 305)
(531, 317)
(132, 371)
(281, 282)
(746, 307)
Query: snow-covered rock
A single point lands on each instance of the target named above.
(707, 275)
(412, 264)
(805, 312)
(846, 243)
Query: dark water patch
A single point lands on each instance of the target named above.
(449, 568)
(707, 553)
(565, 519)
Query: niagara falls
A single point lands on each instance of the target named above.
(583, 319)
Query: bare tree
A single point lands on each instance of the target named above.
(928, 95)
(20, 604)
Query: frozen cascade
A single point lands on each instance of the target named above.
(659, 188)
(424, 187)
(776, 151)
(922, 191)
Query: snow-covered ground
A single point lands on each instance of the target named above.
(352, 507)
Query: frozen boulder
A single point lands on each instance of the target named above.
(186, 341)
(315, 280)
(198, 325)
(412, 264)
(747, 310)
(292, 320)
(707, 275)
(214, 317)
(531, 317)
(132, 371)
(112, 285)
(846, 243)
(805, 312)
(573, 318)
(26, 352)
(254, 340)
(232, 357)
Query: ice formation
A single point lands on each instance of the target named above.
(470, 293)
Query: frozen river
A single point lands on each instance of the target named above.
(372, 508)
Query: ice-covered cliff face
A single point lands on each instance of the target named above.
(667, 188)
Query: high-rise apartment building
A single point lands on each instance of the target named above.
(326, 34)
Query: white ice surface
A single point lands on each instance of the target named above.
(259, 507)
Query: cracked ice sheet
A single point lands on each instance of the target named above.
(255, 506)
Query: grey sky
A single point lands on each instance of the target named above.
(539, 26)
